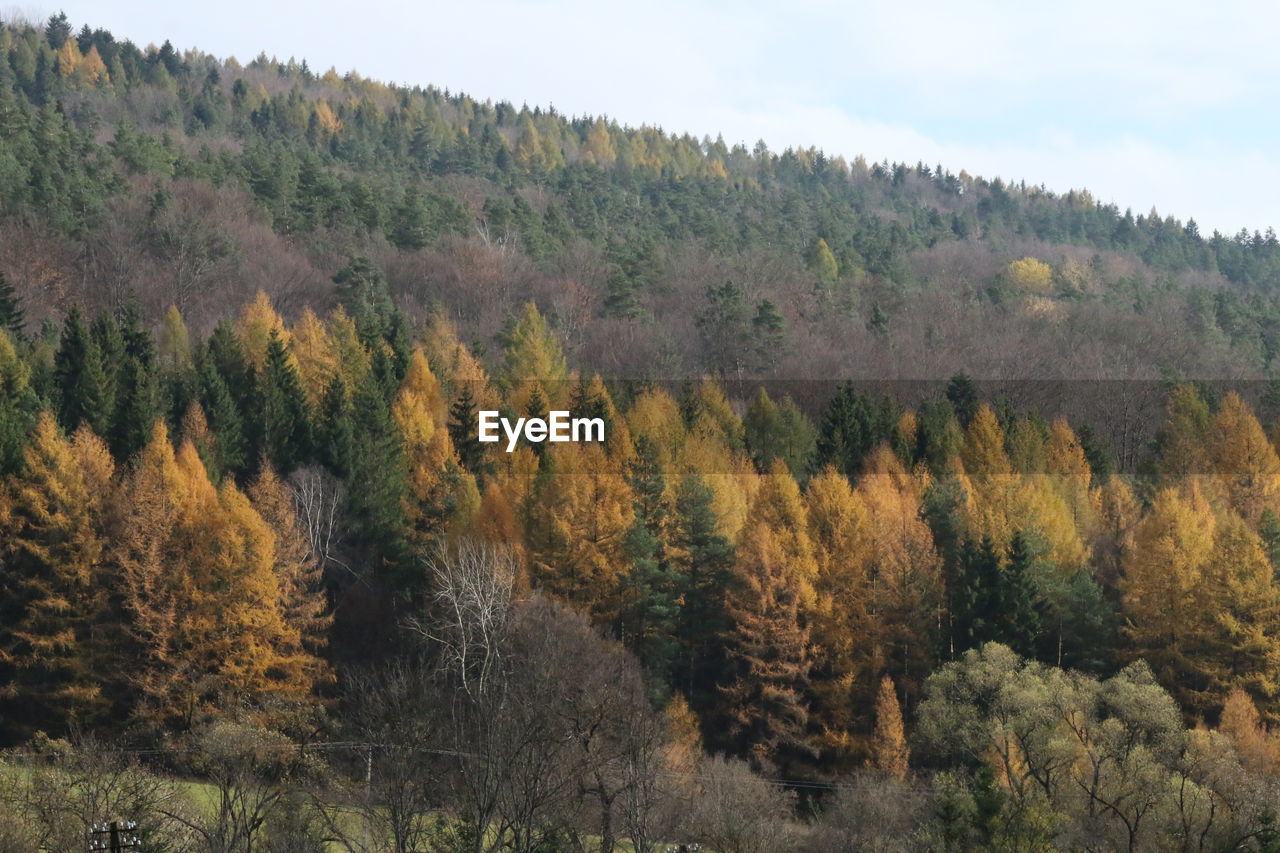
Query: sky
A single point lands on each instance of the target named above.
(1168, 105)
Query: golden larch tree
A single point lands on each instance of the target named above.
(54, 578)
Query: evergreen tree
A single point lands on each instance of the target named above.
(362, 291)
(963, 397)
(465, 434)
(336, 430)
(768, 335)
(704, 558)
(1016, 604)
(725, 330)
(12, 319)
(137, 395)
(18, 406)
(852, 427)
(648, 621)
(81, 381)
(224, 419)
(285, 419)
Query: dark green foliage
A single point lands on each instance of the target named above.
(938, 434)
(18, 407)
(224, 419)
(137, 403)
(12, 319)
(362, 291)
(963, 397)
(995, 600)
(285, 425)
(377, 506)
(1101, 465)
(463, 418)
(769, 335)
(634, 274)
(336, 429)
(705, 560)
(652, 589)
(83, 386)
(725, 330)
(854, 425)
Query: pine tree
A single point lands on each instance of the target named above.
(853, 426)
(768, 335)
(12, 319)
(704, 558)
(651, 592)
(285, 419)
(363, 292)
(378, 465)
(136, 395)
(963, 397)
(725, 330)
(224, 419)
(81, 380)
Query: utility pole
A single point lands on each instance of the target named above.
(114, 837)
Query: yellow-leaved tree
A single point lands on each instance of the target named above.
(440, 491)
(54, 580)
(579, 515)
(904, 576)
(839, 527)
(1243, 461)
(258, 319)
(203, 602)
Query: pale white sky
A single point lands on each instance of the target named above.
(1168, 104)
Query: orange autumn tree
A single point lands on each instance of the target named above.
(439, 489)
(839, 527)
(765, 706)
(1243, 461)
(904, 575)
(578, 515)
(299, 575)
(54, 580)
(203, 602)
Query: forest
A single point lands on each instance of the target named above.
(932, 512)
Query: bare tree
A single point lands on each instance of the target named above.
(319, 501)
(736, 811)
(65, 787)
(474, 585)
(251, 771)
(384, 800)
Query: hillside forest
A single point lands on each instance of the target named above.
(933, 513)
